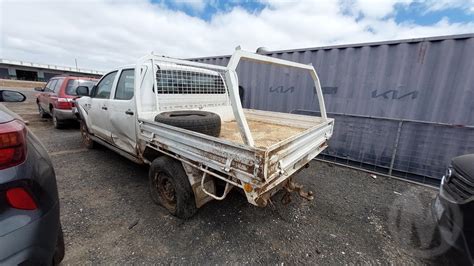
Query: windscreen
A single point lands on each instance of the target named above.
(72, 84)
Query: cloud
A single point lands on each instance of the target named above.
(102, 34)
(374, 9)
(436, 5)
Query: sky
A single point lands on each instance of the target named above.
(102, 34)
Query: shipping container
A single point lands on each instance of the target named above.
(402, 107)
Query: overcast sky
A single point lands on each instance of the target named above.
(102, 34)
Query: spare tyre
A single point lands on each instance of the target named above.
(199, 121)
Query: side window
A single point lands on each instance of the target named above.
(51, 85)
(105, 86)
(48, 85)
(124, 89)
(58, 85)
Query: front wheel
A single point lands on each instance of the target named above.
(86, 138)
(170, 187)
(41, 112)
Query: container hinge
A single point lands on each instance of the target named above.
(280, 169)
(227, 164)
(255, 169)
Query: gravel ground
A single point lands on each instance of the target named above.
(109, 218)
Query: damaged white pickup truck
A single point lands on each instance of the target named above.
(186, 121)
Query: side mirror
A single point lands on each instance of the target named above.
(82, 91)
(11, 96)
(39, 89)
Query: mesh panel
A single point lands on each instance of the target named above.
(182, 81)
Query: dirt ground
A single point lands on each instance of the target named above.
(109, 218)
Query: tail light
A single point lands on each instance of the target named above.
(12, 144)
(20, 198)
(64, 103)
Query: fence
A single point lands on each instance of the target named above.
(414, 150)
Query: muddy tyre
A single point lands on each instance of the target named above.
(86, 138)
(170, 187)
(199, 121)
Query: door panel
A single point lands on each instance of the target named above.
(122, 113)
(53, 94)
(44, 96)
(99, 111)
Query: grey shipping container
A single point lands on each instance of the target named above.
(402, 107)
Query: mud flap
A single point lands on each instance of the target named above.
(195, 176)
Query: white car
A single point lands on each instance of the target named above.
(186, 121)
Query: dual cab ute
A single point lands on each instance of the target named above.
(186, 121)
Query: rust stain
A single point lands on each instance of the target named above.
(421, 53)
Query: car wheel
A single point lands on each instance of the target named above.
(86, 138)
(170, 187)
(41, 112)
(199, 121)
(58, 124)
(59, 251)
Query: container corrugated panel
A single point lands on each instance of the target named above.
(429, 79)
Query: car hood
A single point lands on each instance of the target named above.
(6, 115)
(464, 165)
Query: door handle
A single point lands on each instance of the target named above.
(128, 112)
(104, 107)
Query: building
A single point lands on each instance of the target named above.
(21, 70)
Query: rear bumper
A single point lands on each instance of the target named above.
(64, 114)
(34, 242)
(453, 223)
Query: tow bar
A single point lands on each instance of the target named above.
(295, 187)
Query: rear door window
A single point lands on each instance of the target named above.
(124, 89)
(72, 85)
(58, 85)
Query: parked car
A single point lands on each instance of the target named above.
(56, 98)
(186, 121)
(30, 229)
(454, 209)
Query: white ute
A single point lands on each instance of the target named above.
(256, 151)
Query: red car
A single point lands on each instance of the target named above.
(56, 98)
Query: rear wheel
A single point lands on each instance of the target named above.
(58, 124)
(86, 138)
(170, 187)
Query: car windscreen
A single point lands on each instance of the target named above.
(72, 85)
